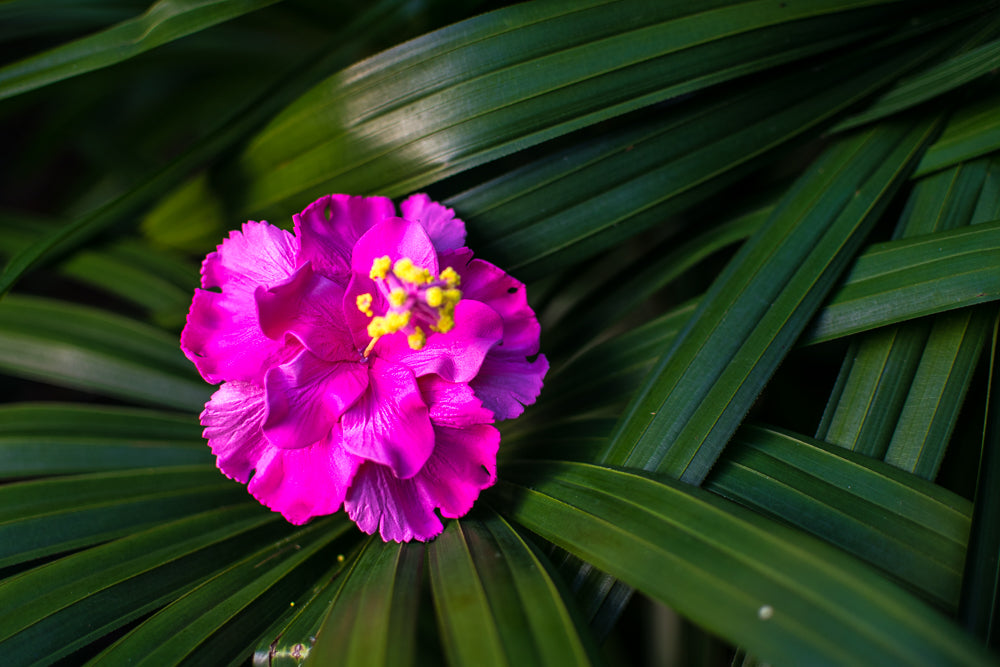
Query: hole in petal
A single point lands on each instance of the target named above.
(511, 290)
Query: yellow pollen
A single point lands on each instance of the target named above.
(452, 296)
(435, 296)
(445, 323)
(417, 339)
(377, 327)
(380, 267)
(397, 297)
(395, 321)
(451, 277)
(406, 271)
(365, 304)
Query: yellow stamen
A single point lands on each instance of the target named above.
(395, 321)
(380, 267)
(397, 297)
(435, 296)
(406, 271)
(365, 304)
(445, 323)
(377, 327)
(452, 296)
(417, 339)
(451, 277)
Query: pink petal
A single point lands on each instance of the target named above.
(222, 336)
(261, 254)
(389, 424)
(457, 355)
(507, 382)
(306, 397)
(463, 463)
(396, 238)
(446, 231)
(224, 340)
(330, 226)
(452, 403)
(306, 482)
(232, 419)
(308, 306)
(485, 282)
(356, 321)
(378, 501)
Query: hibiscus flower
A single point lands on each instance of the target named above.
(363, 359)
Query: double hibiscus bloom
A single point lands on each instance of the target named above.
(363, 361)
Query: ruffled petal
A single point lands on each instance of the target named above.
(446, 231)
(452, 403)
(396, 238)
(330, 226)
(306, 396)
(389, 424)
(491, 285)
(232, 419)
(457, 355)
(305, 482)
(308, 306)
(463, 463)
(259, 254)
(223, 339)
(508, 382)
(222, 335)
(378, 501)
(357, 322)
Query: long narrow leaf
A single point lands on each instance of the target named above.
(164, 21)
(695, 397)
(914, 531)
(510, 79)
(783, 595)
(497, 602)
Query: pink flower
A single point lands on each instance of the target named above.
(363, 360)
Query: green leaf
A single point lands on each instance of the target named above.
(510, 79)
(497, 600)
(900, 280)
(373, 616)
(914, 531)
(164, 21)
(981, 580)
(975, 61)
(209, 623)
(972, 132)
(695, 397)
(783, 595)
(43, 517)
(56, 608)
(879, 370)
(83, 347)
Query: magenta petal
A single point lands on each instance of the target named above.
(330, 226)
(452, 403)
(306, 482)
(260, 254)
(232, 419)
(506, 383)
(308, 306)
(485, 282)
(389, 424)
(446, 231)
(223, 339)
(396, 238)
(222, 336)
(378, 501)
(457, 355)
(306, 397)
(464, 463)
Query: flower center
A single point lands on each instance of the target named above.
(418, 301)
